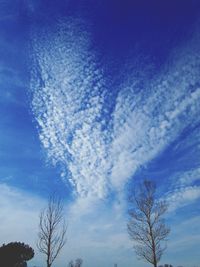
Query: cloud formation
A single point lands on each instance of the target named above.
(98, 148)
(183, 196)
(184, 189)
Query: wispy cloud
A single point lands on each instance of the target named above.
(182, 197)
(189, 177)
(96, 149)
(184, 189)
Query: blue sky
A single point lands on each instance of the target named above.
(96, 96)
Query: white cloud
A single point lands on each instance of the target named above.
(182, 197)
(183, 189)
(70, 98)
(189, 177)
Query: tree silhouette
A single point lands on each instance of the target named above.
(78, 263)
(15, 254)
(146, 225)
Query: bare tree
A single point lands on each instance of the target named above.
(52, 230)
(71, 264)
(78, 262)
(146, 225)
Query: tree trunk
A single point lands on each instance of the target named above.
(48, 264)
(154, 256)
(153, 244)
